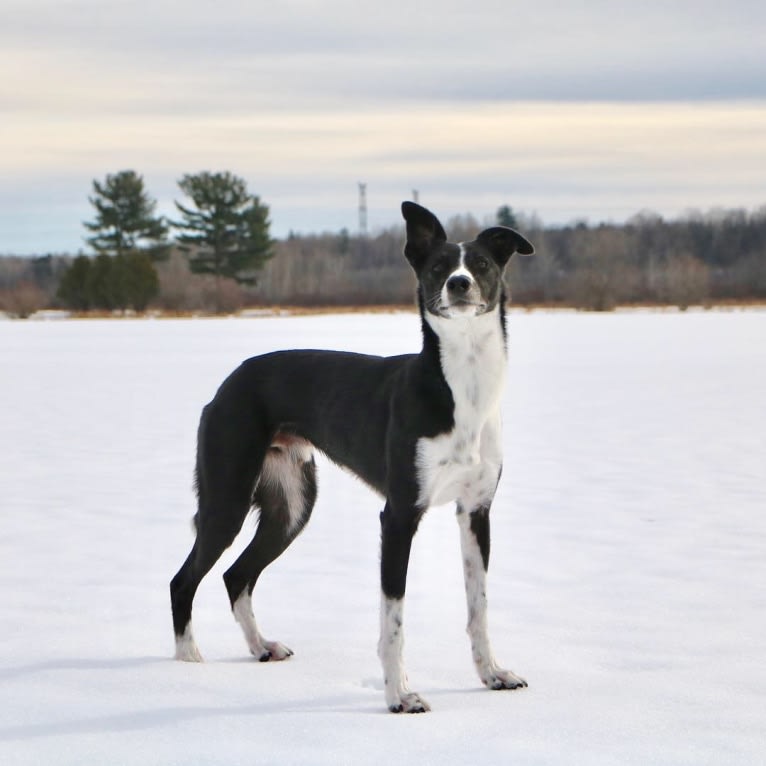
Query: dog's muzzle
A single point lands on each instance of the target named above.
(461, 296)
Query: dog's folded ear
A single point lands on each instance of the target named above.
(423, 232)
(503, 242)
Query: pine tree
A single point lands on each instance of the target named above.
(141, 282)
(125, 218)
(109, 282)
(74, 287)
(226, 232)
(506, 217)
(103, 287)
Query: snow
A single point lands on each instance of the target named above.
(627, 580)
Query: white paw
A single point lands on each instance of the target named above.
(271, 651)
(186, 650)
(409, 702)
(503, 679)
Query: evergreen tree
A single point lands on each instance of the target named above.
(103, 284)
(125, 218)
(140, 281)
(74, 287)
(506, 217)
(226, 232)
(109, 283)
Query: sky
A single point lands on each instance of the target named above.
(593, 110)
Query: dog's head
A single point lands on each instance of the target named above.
(458, 280)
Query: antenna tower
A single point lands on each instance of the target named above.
(362, 210)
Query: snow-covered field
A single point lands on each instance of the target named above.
(627, 582)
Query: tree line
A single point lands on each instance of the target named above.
(222, 258)
(700, 259)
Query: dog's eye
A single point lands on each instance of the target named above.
(481, 263)
(439, 268)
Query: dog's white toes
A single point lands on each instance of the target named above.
(504, 679)
(410, 703)
(273, 651)
(188, 652)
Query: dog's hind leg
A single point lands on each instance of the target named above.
(227, 468)
(474, 544)
(285, 496)
(212, 540)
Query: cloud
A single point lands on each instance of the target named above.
(563, 161)
(568, 109)
(226, 56)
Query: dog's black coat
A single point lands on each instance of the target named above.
(366, 413)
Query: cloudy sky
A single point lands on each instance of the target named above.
(591, 109)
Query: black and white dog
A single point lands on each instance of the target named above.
(421, 429)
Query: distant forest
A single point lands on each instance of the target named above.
(700, 259)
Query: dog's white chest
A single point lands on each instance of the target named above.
(464, 463)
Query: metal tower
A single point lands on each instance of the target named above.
(362, 210)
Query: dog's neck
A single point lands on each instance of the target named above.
(471, 353)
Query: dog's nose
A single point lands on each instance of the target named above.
(458, 285)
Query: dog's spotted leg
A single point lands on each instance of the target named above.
(474, 543)
(397, 530)
(399, 698)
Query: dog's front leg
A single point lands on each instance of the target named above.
(397, 530)
(474, 543)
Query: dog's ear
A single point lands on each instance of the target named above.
(423, 232)
(503, 242)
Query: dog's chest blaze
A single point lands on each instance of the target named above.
(464, 463)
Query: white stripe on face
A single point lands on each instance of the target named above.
(460, 271)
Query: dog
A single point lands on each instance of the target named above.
(420, 429)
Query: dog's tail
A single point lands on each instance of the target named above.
(198, 479)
